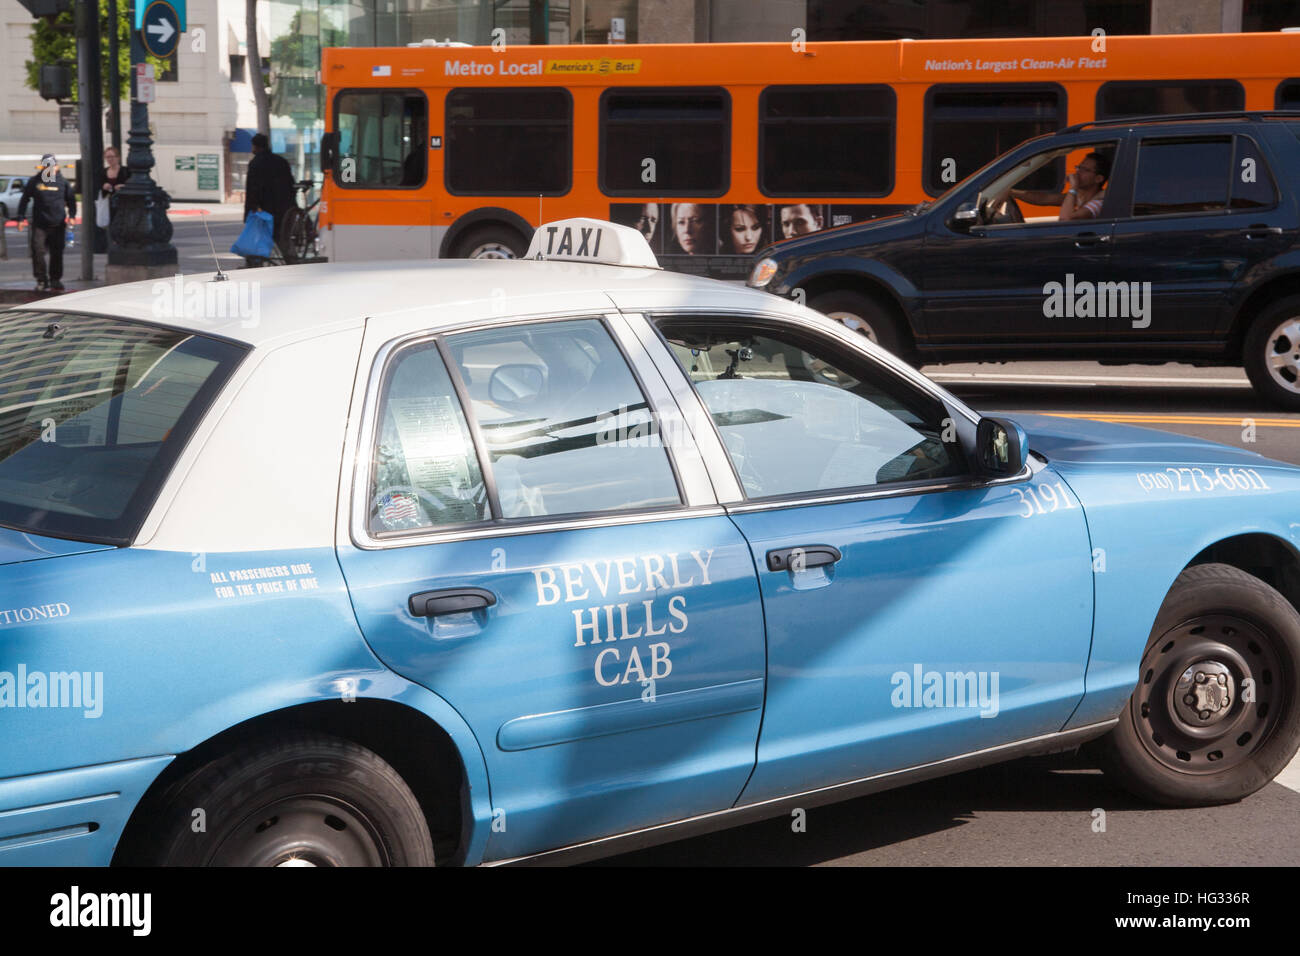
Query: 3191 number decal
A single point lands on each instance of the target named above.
(1043, 499)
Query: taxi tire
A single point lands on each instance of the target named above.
(854, 310)
(482, 236)
(1223, 590)
(1258, 346)
(372, 817)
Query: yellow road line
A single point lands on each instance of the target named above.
(1126, 418)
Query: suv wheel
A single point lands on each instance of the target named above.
(864, 315)
(1271, 353)
(1214, 716)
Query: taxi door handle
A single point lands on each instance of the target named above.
(450, 601)
(805, 556)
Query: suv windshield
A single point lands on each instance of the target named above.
(93, 413)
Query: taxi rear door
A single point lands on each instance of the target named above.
(527, 542)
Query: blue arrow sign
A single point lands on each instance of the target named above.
(178, 11)
(161, 30)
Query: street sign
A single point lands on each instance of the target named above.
(209, 170)
(141, 10)
(69, 120)
(162, 28)
(145, 90)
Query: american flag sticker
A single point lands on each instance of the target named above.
(381, 71)
(398, 507)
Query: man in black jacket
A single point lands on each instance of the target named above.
(269, 184)
(53, 204)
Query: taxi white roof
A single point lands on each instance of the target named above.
(298, 302)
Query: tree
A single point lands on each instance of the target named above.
(54, 42)
(255, 67)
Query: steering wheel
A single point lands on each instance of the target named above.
(1008, 211)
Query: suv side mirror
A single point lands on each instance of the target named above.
(967, 215)
(1001, 447)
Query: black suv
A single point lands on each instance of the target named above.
(1193, 257)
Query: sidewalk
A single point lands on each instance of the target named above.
(223, 219)
(218, 211)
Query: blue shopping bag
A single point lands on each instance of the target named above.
(256, 240)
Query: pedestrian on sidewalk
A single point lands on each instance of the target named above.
(268, 186)
(115, 175)
(53, 204)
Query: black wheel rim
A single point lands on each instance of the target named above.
(303, 830)
(1210, 694)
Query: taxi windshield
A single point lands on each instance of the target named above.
(93, 413)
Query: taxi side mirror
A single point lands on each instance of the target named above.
(516, 384)
(1001, 447)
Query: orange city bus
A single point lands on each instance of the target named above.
(714, 150)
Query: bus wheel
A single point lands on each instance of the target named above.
(491, 242)
(1271, 353)
(303, 800)
(862, 314)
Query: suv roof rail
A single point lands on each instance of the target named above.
(1184, 117)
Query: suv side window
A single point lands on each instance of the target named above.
(1252, 183)
(1186, 175)
(563, 420)
(799, 413)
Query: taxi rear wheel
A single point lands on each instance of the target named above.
(491, 242)
(863, 315)
(305, 800)
(1214, 716)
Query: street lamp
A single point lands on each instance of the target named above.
(140, 232)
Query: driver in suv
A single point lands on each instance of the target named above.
(1086, 193)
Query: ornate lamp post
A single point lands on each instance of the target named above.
(140, 232)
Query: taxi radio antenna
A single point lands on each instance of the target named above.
(220, 276)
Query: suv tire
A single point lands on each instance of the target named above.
(864, 315)
(1271, 353)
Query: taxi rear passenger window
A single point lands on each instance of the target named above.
(565, 425)
(424, 472)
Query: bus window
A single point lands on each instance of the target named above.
(1119, 99)
(657, 142)
(381, 139)
(826, 140)
(509, 142)
(966, 126)
(1288, 95)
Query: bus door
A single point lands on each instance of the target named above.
(382, 202)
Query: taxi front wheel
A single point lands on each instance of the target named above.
(304, 800)
(1214, 715)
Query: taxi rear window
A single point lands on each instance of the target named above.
(93, 413)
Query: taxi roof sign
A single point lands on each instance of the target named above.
(591, 240)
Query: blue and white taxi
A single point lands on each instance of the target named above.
(475, 562)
